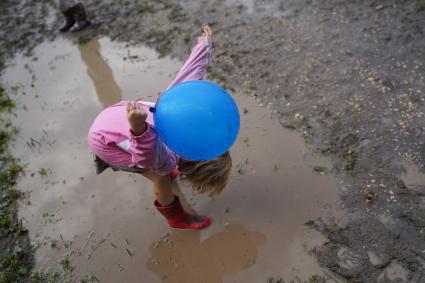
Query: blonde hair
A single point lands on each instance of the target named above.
(209, 176)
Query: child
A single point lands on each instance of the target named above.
(75, 15)
(123, 137)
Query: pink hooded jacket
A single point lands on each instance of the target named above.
(110, 137)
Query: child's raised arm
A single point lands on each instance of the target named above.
(196, 65)
(136, 116)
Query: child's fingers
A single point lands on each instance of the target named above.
(207, 31)
(136, 105)
(132, 106)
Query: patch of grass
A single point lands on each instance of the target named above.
(313, 279)
(6, 104)
(65, 263)
(54, 244)
(8, 133)
(145, 7)
(330, 145)
(327, 231)
(160, 39)
(308, 138)
(217, 77)
(49, 218)
(401, 185)
(177, 14)
(9, 175)
(89, 278)
(14, 89)
(15, 260)
(333, 246)
(391, 248)
(320, 169)
(41, 277)
(350, 158)
(8, 195)
(420, 7)
(81, 40)
(387, 177)
(66, 243)
(317, 279)
(12, 268)
(275, 280)
(290, 126)
(42, 172)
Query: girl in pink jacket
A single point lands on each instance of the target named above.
(123, 137)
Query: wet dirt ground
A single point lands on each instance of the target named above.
(346, 76)
(106, 224)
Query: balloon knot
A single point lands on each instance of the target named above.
(152, 109)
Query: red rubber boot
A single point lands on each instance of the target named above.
(173, 175)
(180, 219)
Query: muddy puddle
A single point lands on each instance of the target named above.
(413, 176)
(107, 226)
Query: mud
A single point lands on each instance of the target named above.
(106, 224)
(347, 76)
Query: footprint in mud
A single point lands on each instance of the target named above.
(182, 257)
(348, 259)
(395, 272)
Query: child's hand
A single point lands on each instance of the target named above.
(136, 116)
(206, 31)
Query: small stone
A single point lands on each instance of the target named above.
(369, 198)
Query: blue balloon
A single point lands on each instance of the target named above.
(198, 120)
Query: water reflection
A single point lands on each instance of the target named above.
(273, 186)
(100, 73)
(182, 257)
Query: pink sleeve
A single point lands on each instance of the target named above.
(141, 146)
(196, 65)
(148, 151)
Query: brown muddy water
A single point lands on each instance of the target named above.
(413, 176)
(106, 224)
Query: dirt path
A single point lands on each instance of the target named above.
(346, 75)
